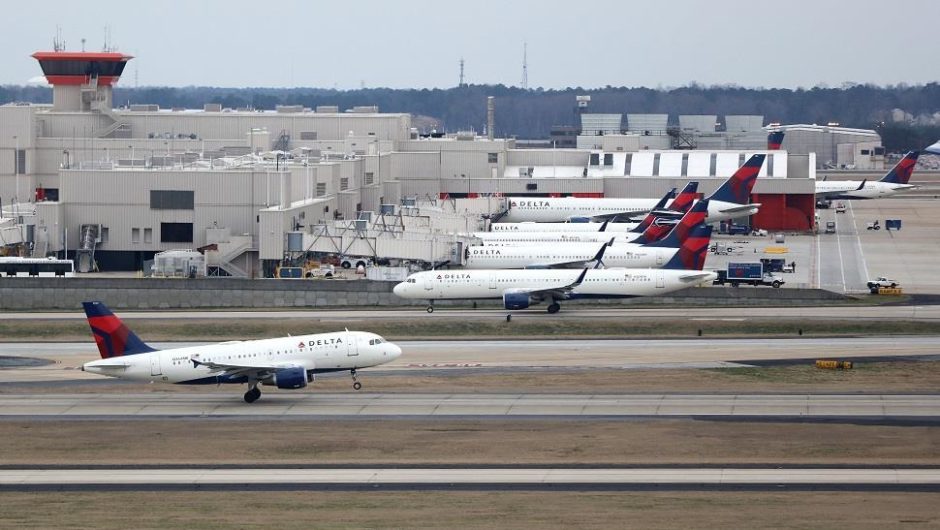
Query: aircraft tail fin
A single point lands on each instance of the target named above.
(681, 231)
(650, 217)
(685, 199)
(113, 337)
(738, 188)
(694, 249)
(774, 140)
(901, 172)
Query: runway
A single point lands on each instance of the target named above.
(496, 355)
(916, 312)
(869, 479)
(274, 405)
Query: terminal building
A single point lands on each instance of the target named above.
(112, 187)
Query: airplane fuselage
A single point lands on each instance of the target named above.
(522, 238)
(597, 283)
(853, 189)
(325, 352)
(561, 209)
(530, 226)
(572, 255)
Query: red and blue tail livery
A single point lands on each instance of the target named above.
(737, 189)
(774, 140)
(901, 173)
(113, 337)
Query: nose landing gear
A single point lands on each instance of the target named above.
(356, 384)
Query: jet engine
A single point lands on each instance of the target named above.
(516, 300)
(289, 378)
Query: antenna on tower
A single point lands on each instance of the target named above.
(461, 83)
(108, 47)
(525, 66)
(57, 43)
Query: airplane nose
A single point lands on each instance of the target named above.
(395, 351)
(398, 289)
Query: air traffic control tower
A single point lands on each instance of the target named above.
(82, 81)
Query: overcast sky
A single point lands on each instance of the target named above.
(403, 44)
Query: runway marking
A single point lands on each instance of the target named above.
(12, 479)
(276, 405)
(858, 241)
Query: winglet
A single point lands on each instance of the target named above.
(861, 186)
(604, 226)
(580, 278)
(600, 254)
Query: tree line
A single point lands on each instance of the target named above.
(906, 115)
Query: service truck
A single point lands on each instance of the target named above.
(748, 274)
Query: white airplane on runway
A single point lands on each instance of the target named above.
(520, 288)
(614, 253)
(286, 362)
(730, 201)
(895, 181)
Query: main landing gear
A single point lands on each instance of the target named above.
(356, 384)
(430, 308)
(554, 307)
(253, 393)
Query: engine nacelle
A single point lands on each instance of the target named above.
(289, 378)
(579, 219)
(516, 300)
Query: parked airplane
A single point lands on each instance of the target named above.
(286, 362)
(587, 232)
(579, 255)
(730, 201)
(933, 148)
(520, 288)
(893, 182)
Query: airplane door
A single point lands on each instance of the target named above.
(660, 279)
(492, 281)
(659, 257)
(427, 282)
(352, 345)
(155, 368)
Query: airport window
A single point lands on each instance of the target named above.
(321, 189)
(148, 235)
(628, 164)
(608, 159)
(176, 232)
(104, 234)
(21, 162)
(492, 158)
(595, 159)
(344, 183)
(865, 151)
(656, 164)
(369, 178)
(135, 235)
(308, 135)
(171, 200)
(531, 186)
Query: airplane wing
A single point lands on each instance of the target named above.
(615, 215)
(257, 371)
(560, 292)
(695, 277)
(565, 264)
